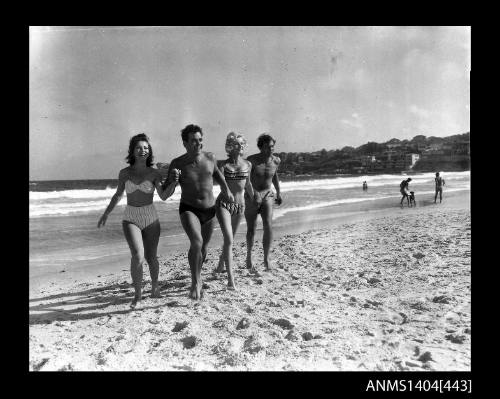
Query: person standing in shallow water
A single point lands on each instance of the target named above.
(264, 173)
(439, 187)
(405, 190)
(140, 221)
(195, 171)
(236, 171)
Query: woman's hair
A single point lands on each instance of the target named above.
(133, 142)
(190, 129)
(264, 138)
(232, 139)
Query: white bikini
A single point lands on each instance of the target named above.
(141, 216)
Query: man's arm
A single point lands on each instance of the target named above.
(248, 184)
(276, 182)
(219, 178)
(168, 186)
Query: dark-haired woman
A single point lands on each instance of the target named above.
(140, 221)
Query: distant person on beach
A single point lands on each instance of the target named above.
(195, 172)
(140, 220)
(439, 187)
(405, 191)
(365, 186)
(236, 171)
(264, 173)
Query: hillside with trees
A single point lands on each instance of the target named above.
(419, 154)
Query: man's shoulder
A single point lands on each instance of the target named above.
(179, 158)
(252, 157)
(209, 155)
(276, 158)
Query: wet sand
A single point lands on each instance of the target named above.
(385, 289)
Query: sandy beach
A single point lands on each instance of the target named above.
(386, 290)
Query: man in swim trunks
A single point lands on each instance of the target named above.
(263, 174)
(439, 187)
(405, 191)
(195, 171)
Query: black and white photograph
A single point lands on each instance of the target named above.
(249, 198)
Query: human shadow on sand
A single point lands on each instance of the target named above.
(83, 303)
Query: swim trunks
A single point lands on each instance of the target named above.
(204, 215)
(141, 216)
(264, 196)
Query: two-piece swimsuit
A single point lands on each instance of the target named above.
(234, 208)
(141, 216)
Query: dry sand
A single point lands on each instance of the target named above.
(389, 292)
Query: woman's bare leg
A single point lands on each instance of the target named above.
(224, 218)
(150, 237)
(134, 239)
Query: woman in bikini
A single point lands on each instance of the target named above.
(140, 220)
(236, 172)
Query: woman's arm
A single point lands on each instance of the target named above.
(114, 199)
(168, 188)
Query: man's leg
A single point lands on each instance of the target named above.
(134, 239)
(206, 234)
(251, 213)
(435, 196)
(192, 227)
(150, 237)
(440, 195)
(267, 224)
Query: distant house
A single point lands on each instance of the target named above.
(366, 160)
(411, 159)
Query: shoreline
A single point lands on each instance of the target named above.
(387, 289)
(294, 222)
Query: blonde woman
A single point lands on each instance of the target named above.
(236, 171)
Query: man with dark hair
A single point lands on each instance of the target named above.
(405, 190)
(439, 187)
(195, 171)
(263, 174)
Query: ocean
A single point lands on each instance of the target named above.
(63, 214)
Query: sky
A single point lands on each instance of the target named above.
(311, 87)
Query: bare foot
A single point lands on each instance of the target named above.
(268, 265)
(135, 302)
(196, 291)
(255, 272)
(221, 268)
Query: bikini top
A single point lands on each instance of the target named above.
(235, 175)
(146, 187)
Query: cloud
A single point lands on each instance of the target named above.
(451, 71)
(355, 122)
(420, 112)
